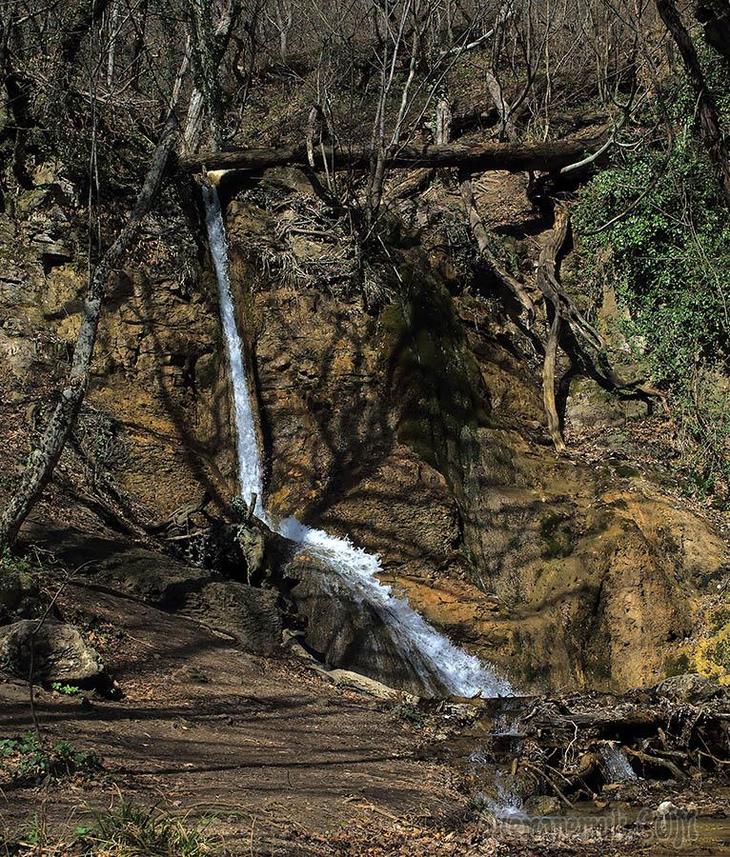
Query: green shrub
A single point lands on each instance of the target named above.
(666, 250)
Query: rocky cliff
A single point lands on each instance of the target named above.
(406, 415)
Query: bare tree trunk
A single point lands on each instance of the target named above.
(138, 45)
(442, 130)
(209, 46)
(550, 288)
(708, 114)
(111, 58)
(44, 457)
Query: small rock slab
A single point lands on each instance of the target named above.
(59, 653)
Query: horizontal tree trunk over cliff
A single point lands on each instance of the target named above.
(513, 157)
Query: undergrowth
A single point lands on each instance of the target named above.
(655, 227)
(127, 830)
(26, 761)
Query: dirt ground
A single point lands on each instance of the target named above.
(287, 763)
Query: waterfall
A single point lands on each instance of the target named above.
(438, 662)
(250, 474)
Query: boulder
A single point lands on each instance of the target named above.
(59, 653)
(347, 632)
(249, 614)
(690, 689)
(369, 686)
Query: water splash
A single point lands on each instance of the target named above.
(440, 665)
(503, 801)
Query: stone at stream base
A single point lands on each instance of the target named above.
(347, 633)
(543, 805)
(349, 679)
(59, 653)
(691, 689)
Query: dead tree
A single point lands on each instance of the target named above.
(707, 113)
(546, 157)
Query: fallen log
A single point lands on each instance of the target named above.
(512, 157)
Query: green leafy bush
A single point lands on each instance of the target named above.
(655, 226)
(66, 689)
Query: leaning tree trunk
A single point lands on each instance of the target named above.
(44, 457)
(548, 285)
(707, 112)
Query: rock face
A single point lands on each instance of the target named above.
(59, 653)
(343, 631)
(249, 614)
(414, 425)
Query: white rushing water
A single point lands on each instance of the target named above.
(438, 662)
(250, 473)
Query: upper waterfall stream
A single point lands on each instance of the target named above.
(437, 661)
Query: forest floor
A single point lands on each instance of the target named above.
(282, 761)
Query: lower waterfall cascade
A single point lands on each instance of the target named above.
(436, 660)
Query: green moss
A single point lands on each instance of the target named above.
(720, 619)
(676, 665)
(434, 377)
(557, 537)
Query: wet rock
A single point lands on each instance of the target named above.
(667, 809)
(347, 632)
(543, 805)
(59, 653)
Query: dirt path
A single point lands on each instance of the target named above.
(287, 763)
(267, 745)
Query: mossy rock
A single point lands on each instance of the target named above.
(557, 537)
(19, 596)
(434, 377)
